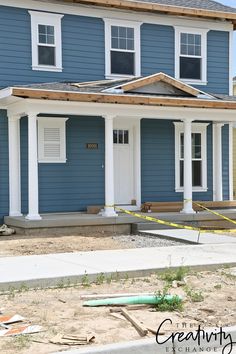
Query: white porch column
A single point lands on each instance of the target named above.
(109, 168)
(137, 161)
(33, 210)
(188, 205)
(217, 161)
(14, 165)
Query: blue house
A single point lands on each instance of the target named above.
(114, 103)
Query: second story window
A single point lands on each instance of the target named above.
(122, 46)
(46, 41)
(191, 55)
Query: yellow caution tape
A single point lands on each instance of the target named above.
(215, 213)
(163, 222)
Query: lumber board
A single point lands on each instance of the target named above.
(135, 322)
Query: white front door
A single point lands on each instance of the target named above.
(123, 163)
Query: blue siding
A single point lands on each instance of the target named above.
(217, 62)
(82, 46)
(157, 49)
(79, 182)
(83, 51)
(225, 161)
(158, 162)
(4, 186)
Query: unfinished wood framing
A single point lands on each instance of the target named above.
(157, 78)
(122, 99)
(159, 8)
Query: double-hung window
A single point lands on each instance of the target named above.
(46, 41)
(122, 46)
(199, 156)
(191, 55)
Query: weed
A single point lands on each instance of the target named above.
(174, 274)
(109, 279)
(168, 306)
(195, 296)
(23, 288)
(22, 341)
(100, 279)
(218, 286)
(11, 293)
(85, 280)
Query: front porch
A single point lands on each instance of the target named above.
(152, 139)
(83, 223)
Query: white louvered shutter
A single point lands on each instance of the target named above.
(51, 140)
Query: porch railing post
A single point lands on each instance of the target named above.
(33, 185)
(188, 204)
(109, 168)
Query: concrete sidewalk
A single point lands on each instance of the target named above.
(52, 269)
(192, 236)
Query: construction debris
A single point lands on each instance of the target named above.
(135, 322)
(20, 330)
(104, 296)
(11, 319)
(6, 231)
(69, 339)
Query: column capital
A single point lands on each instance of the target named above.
(13, 117)
(187, 120)
(109, 116)
(32, 113)
(218, 124)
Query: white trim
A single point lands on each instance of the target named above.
(54, 20)
(33, 181)
(14, 165)
(217, 161)
(93, 11)
(231, 187)
(231, 60)
(50, 122)
(137, 60)
(203, 33)
(137, 162)
(196, 128)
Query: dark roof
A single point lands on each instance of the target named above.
(195, 4)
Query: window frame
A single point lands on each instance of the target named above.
(203, 34)
(48, 122)
(108, 23)
(196, 128)
(46, 19)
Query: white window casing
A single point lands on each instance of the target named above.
(203, 56)
(108, 46)
(46, 19)
(196, 128)
(52, 140)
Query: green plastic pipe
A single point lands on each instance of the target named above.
(134, 300)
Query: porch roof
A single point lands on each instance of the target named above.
(154, 90)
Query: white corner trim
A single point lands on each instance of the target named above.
(203, 32)
(231, 60)
(43, 18)
(108, 22)
(195, 128)
(51, 122)
(231, 187)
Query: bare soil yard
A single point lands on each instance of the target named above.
(29, 245)
(210, 299)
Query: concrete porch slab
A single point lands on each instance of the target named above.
(192, 236)
(52, 269)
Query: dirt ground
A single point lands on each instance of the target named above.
(209, 300)
(25, 245)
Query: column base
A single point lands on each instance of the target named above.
(109, 212)
(33, 217)
(188, 211)
(15, 213)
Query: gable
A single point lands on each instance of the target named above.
(160, 88)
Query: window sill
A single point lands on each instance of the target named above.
(194, 82)
(46, 68)
(200, 189)
(52, 161)
(114, 76)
